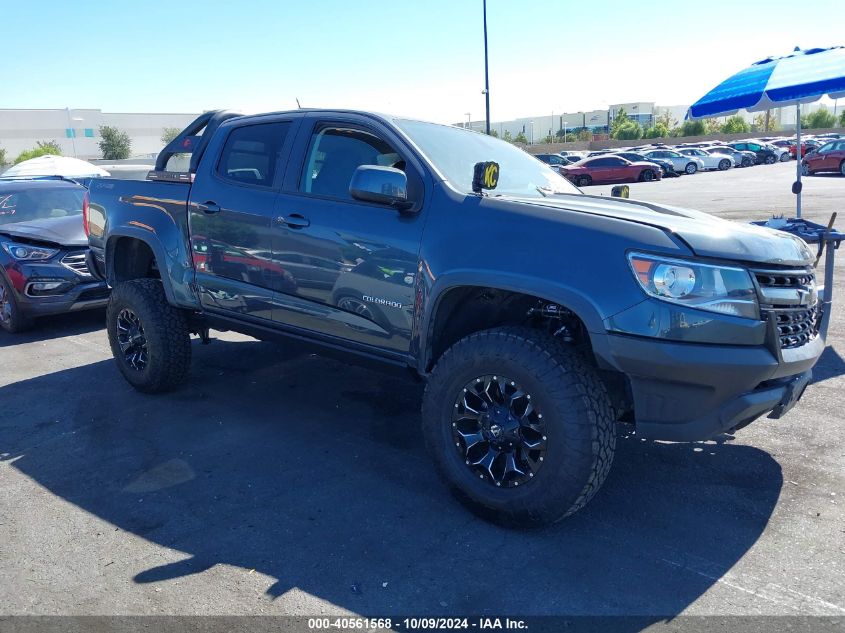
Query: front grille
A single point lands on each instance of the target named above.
(76, 262)
(790, 297)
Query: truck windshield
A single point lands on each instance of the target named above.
(455, 151)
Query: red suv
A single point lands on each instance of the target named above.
(828, 157)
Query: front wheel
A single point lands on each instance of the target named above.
(784, 158)
(842, 168)
(12, 318)
(691, 168)
(149, 338)
(519, 425)
(805, 170)
(647, 175)
(724, 164)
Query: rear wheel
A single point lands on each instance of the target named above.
(724, 164)
(519, 426)
(12, 318)
(785, 157)
(771, 159)
(647, 175)
(842, 168)
(583, 181)
(805, 170)
(746, 161)
(149, 338)
(691, 168)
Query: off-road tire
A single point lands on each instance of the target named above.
(17, 321)
(165, 329)
(578, 416)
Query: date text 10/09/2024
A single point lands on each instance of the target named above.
(415, 624)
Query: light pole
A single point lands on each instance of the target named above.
(486, 73)
(469, 126)
(71, 130)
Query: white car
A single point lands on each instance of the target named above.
(711, 161)
(683, 164)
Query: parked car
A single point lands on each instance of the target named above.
(709, 160)
(740, 158)
(602, 170)
(42, 252)
(538, 316)
(551, 159)
(666, 166)
(828, 157)
(806, 146)
(782, 153)
(683, 164)
(763, 154)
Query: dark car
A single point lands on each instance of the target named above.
(552, 159)
(763, 154)
(665, 165)
(828, 157)
(610, 169)
(42, 252)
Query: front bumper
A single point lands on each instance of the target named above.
(77, 292)
(689, 392)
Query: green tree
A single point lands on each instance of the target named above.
(42, 148)
(169, 133)
(620, 121)
(658, 130)
(3, 160)
(629, 131)
(666, 119)
(507, 136)
(692, 128)
(115, 144)
(713, 126)
(735, 125)
(842, 119)
(584, 134)
(764, 122)
(494, 133)
(821, 118)
(520, 138)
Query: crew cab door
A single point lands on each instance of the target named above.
(354, 263)
(230, 212)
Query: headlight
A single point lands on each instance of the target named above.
(27, 252)
(720, 289)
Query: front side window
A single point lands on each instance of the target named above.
(251, 153)
(335, 153)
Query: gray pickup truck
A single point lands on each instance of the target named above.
(537, 315)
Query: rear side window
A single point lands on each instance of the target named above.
(251, 153)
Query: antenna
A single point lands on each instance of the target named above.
(297, 103)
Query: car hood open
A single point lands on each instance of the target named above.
(64, 231)
(705, 234)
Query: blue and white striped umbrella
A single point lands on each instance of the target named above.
(801, 77)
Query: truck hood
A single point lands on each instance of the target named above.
(64, 231)
(705, 234)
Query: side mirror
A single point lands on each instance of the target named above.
(382, 185)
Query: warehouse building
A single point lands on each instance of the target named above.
(77, 131)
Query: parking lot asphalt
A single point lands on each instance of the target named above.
(280, 482)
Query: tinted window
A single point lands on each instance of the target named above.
(40, 203)
(754, 147)
(251, 153)
(599, 162)
(616, 162)
(826, 147)
(335, 153)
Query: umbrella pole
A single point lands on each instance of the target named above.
(798, 159)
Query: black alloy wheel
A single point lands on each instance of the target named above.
(498, 431)
(647, 175)
(131, 339)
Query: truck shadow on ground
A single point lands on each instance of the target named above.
(314, 473)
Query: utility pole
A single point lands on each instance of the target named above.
(486, 71)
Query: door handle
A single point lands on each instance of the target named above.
(294, 221)
(209, 207)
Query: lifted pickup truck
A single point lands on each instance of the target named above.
(539, 316)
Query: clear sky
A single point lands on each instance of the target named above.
(419, 58)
